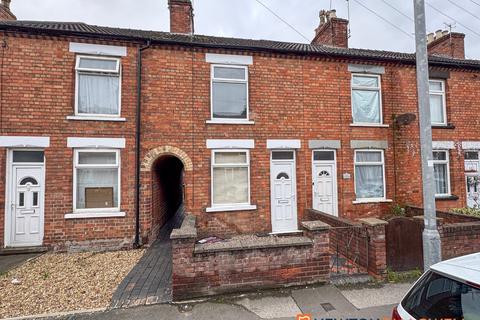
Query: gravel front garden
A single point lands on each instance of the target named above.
(64, 282)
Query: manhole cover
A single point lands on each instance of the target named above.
(328, 307)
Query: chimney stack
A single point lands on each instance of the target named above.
(446, 44)
(332, 31)
(181, 16)
(5, 13)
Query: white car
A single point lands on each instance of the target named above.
(449, 290)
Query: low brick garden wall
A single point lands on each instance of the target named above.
(246, 263)
(459, 233)
(365, 235)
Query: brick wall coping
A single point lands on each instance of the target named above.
(251, 242)
(187, 230)
(315, 225)
(372, 222)
(448, 213)
(332, 219)
(440, 220)
(454, 227)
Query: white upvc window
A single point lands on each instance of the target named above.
(366, 99)
(441, 168)
(438, 109)
(229, 93)
(96, 181)
(98, 86)
(369, 175)
(230, 178)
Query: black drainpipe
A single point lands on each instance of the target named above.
(138, 148)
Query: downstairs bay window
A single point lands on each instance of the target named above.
(96, 181)
(369, 175)
(230, 179)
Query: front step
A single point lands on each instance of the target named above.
(22, 250)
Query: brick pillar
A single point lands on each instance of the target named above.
(377, 247)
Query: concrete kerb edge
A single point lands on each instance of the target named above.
(58, 314)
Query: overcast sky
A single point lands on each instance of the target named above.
(248, 19)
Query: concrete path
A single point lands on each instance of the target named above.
(320, 302)
(150, 281)
(9, 262)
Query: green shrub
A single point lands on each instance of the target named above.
(401, 277)
(467, 211)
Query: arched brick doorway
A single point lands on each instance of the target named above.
(165, 186)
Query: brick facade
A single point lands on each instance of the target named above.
(291, 96)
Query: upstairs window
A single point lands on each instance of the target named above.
(438, 102)
(229, 95)
(369, 175)
(97, 86)
(366, 99)
(441, 173)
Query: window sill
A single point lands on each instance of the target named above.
(369, 125)
(446, 198)
(241, 207)
(93, 118)
(215, 121)
(360, 201)
(443, 126)
(90, 215)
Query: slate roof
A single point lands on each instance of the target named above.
(83, 29)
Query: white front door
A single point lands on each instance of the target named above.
(324, 182)
(473, 190)
(283, 192)
(26, 197)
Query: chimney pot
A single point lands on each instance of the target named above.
(332, 13)
(430, 37)
(438, 34)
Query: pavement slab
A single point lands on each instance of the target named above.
(390, 293)
(271, 307)
(315, 301)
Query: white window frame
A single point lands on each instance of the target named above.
(441, 93)
(79, 70)
(230, 206)
(227, 80)
(447, 162)
(382, 163)
(379, 89)
(103, 166)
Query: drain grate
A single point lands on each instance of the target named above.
(327, 307)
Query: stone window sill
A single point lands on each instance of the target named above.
(362, 201)
(218, 121)
(93, 118)
(90, 215)
(242, 207)
(447, 126)
(446, 198)
(374, 125)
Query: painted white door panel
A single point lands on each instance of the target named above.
(325, 188)
(283, 197)
(27, 205)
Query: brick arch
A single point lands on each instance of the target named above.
(154, 154)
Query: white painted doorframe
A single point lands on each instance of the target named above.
(292, 163)
(334, 176)
(10, 187)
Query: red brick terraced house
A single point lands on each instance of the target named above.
(247, 134)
